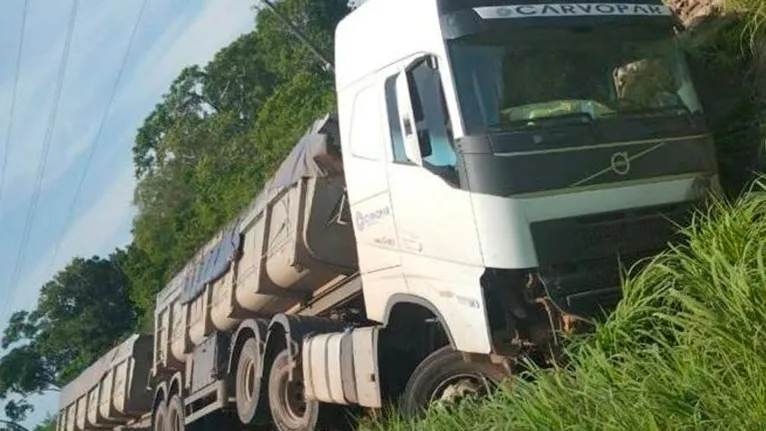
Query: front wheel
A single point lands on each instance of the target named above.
(445, 377)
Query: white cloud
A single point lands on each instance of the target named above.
(98, 231)
(188, 39)
(92, 66)
(184, 42)
(192, 42)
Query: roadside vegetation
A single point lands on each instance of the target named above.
(684, 351)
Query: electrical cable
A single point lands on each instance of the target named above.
(91, 154)
(32, 209)
(7, 147)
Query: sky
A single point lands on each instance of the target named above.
(171, 35)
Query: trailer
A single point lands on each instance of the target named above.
(491, 168)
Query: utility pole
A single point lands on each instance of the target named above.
(314, 50)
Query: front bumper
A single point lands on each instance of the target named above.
(581, 258)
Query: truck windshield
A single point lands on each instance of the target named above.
(508, 83)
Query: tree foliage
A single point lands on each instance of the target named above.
(48, 424)
(80, 314)
(206, 149)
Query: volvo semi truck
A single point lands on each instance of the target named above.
(491, 168)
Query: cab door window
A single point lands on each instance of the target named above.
(431, 118)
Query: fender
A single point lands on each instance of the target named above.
(177, 379)
(160, 394)
(405, 298)
(295, 329)
(258, 327)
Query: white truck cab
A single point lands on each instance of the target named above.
(487, 142)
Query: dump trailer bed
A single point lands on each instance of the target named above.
(292, 242)
(112, 392)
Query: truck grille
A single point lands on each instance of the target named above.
(611, 234)
(580, 257)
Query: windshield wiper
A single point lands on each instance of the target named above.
(652, 112)
(543, 121)
(677, 111)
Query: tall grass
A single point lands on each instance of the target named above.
(685, 350)
(755, 11)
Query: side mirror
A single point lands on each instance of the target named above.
(407, 120)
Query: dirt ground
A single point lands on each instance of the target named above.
(691, 10)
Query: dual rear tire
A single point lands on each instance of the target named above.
(287, 406)
(160, 417)
(170, 416)
(290, 411)
(248, 384)
(442, 377)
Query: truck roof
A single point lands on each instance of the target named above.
(447, 6)
(381, 32)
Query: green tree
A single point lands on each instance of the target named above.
(48, 424)
(316, 19)
(81, 313)
(206, 149)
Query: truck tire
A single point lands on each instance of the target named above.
(175, 421)
(290, 411)
(443, 376)
(248, 384)
(160, 417)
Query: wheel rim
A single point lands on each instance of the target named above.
(249, 380)
(293, 399)
(175, 421)
(159, 422)
(459, 387)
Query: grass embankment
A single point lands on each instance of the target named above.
(755, 10)
(686, 348)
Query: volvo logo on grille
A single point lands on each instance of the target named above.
(621, 163)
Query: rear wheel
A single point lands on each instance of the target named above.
(444, 377)
(159, 421)
(248, 383)
(289, 408)
(175, 414)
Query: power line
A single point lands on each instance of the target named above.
(8, 133)
(43, 161)
(91, 154)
